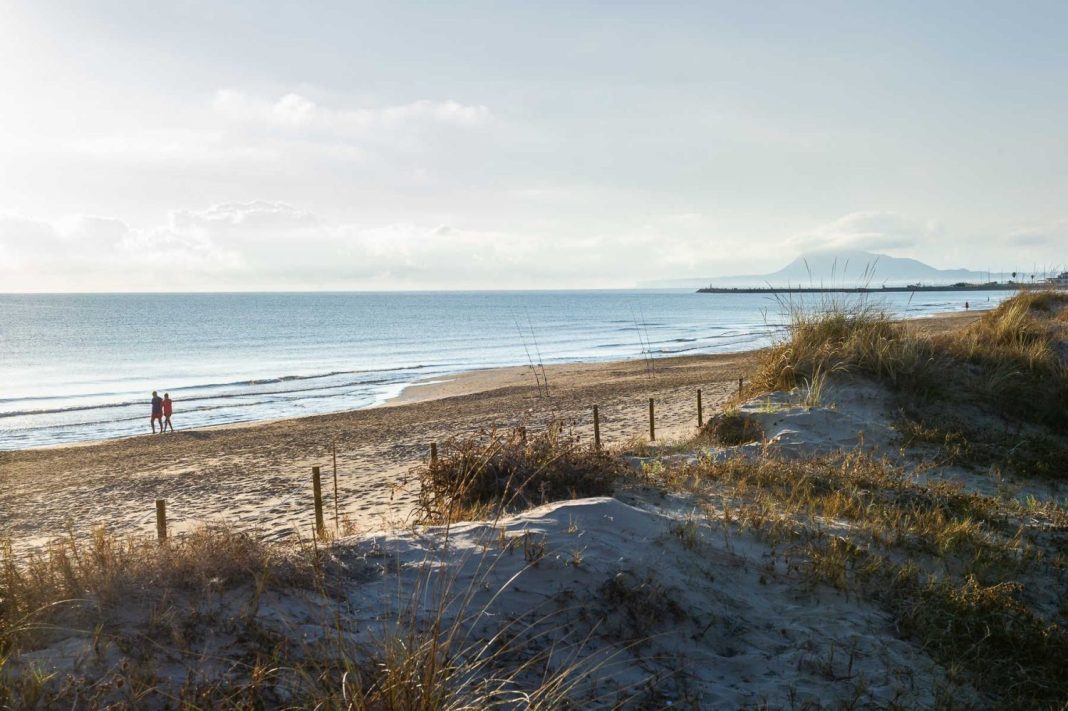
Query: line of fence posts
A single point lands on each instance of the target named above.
(317, 493)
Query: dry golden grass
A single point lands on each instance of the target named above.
(106, 571)
(158, 604)
(731, 428)
(1008, 362)
(1019, 333)
(951, 566)
(842, 338)
(964, 441)
(958, 571)
(486, 475)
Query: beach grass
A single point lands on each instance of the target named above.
(959, 571)
(486, 475)
(971, 578)
(730, 428)
(1009, 363)
(1017, 338)
(148, 613)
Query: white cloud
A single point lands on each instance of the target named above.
(293, 111)
(1051, 233)
(257, 214)
(867, 231)
(91, 252)
(264, 245)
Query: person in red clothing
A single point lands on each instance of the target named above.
(168, 408)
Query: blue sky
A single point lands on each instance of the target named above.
(197, 145)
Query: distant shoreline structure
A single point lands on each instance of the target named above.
(960, 286)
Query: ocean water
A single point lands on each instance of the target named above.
(82, 367)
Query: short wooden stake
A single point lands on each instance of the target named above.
(652, 422)
(700, 417)
(739, 386)
(596, 428)
(337, 525)
(433, 452)
(161, 519)
(317, 491)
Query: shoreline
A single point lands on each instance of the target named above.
(463, 383)
(472, 382)
(480, 380)
(257, 476)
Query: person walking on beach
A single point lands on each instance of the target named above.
(157, 412)
(168, 408)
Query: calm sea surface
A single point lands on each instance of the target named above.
(82, 367)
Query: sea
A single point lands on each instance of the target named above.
(82, 367)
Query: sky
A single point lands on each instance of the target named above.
(209, 146)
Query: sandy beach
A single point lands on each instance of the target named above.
(766, 561)
(258, 475)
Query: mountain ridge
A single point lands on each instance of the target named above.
(847, 268)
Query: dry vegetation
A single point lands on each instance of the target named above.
(181, 625)
(992, 394)
(977, 581)
(974, 579)
(1009, 358)
(483, 476)
(732, 428)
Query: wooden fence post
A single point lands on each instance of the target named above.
(337, 525)
(739, 387)
(596, 428)
(317, 491)
(161, 519)
(652, 423)
(433, 452)
(700, 417)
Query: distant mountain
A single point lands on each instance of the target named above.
(847, 268)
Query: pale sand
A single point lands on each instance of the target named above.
(718, 621)
(258, 475)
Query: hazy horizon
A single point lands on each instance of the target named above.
(486, 146)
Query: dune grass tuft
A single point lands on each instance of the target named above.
(844, 337)
(957, 570)
(1009, 361)
(492, 473)
(108, 571)
(150, 614)
(732, 428)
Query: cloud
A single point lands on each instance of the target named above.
(88, 252)
(174, 147)
(295, 112)
(273, 245)
(1048, 234)
(866, 231)
(258, 214)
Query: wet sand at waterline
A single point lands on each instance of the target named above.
(258, 475)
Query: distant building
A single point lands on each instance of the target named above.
(1059, 280)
